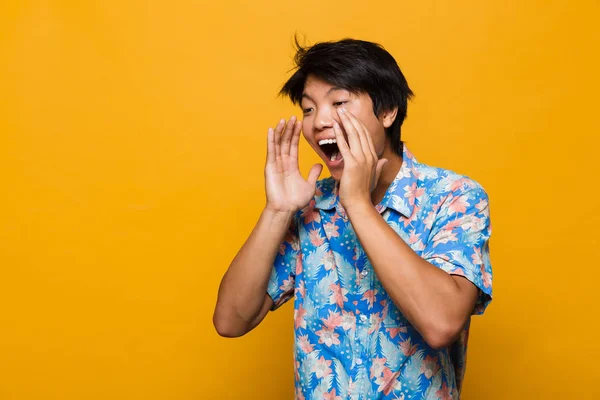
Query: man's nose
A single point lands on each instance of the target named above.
(324, 119)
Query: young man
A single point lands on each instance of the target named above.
(387, 259)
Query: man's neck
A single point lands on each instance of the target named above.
(389, 173)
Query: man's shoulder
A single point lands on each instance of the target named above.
(437, 181)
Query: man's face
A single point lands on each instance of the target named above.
(320, 102)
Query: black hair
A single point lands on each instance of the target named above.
(359, 67)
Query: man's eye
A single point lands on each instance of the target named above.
(307, 110)
(339, 103)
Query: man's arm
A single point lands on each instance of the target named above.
(243, 301)
(436, 303)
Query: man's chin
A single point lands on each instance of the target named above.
(335, 168)
(336, 173)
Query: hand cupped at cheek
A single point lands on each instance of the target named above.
(362, 167)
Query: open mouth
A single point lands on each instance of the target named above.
(331, 150)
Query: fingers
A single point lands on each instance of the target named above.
(295, 140)
(361, 132)
(314, 174)
(270, 146)
(341, 142)
(277, 138)
(286, 139)
(353, 135)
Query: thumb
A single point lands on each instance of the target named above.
(380, 164)
(314, 174)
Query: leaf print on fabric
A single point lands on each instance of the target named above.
(427, 173)
(482, 206)
(309, 306)
(332, 396)
(299, 321)
(328, 261)
(323, 387)
(342, 380)
(476, 256)
(449, 181)
(388, 381)
(473, 223)
(333, 320)
(446, 367)
(315, 237)
(391, 353)
(338, 295)
(458, 205)
(396, 331)
(460, 183)
(444, 237)
(408, 348)
(369, 296)
(459, 258)
(430, 366)
(346, 273)
(305, 370)
(364, 285)
(309, 214)
(298, 266)
(312, 264)
(445, 393)
(273, 285)
(415, 242)
(304, 344)
(412, 193)
(322, 290)
(374, 323)
(363, 376)
(300, 290)
(486, 277)
(351, 340)
(288, 284)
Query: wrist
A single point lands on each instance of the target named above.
(357, 204)
(278, 215)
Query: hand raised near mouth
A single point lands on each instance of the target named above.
(362, 167)
(286, 189)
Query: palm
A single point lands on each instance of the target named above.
(286, 189)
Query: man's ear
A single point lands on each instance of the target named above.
(388, 117)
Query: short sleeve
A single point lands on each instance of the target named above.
(459, 241)
(283, 275)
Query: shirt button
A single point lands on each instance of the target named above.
(364, 273)
(363, 317)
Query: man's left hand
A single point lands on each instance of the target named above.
(362, 167)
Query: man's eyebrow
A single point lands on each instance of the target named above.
(333, 89)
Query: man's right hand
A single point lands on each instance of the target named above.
(287, 191)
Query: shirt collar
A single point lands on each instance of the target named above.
(396, 197)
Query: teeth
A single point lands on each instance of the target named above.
(334, 155)
(327, 141)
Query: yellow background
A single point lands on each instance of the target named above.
(131, 155)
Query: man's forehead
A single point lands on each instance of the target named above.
(314, 87)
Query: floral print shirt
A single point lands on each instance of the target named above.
(351, 342)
